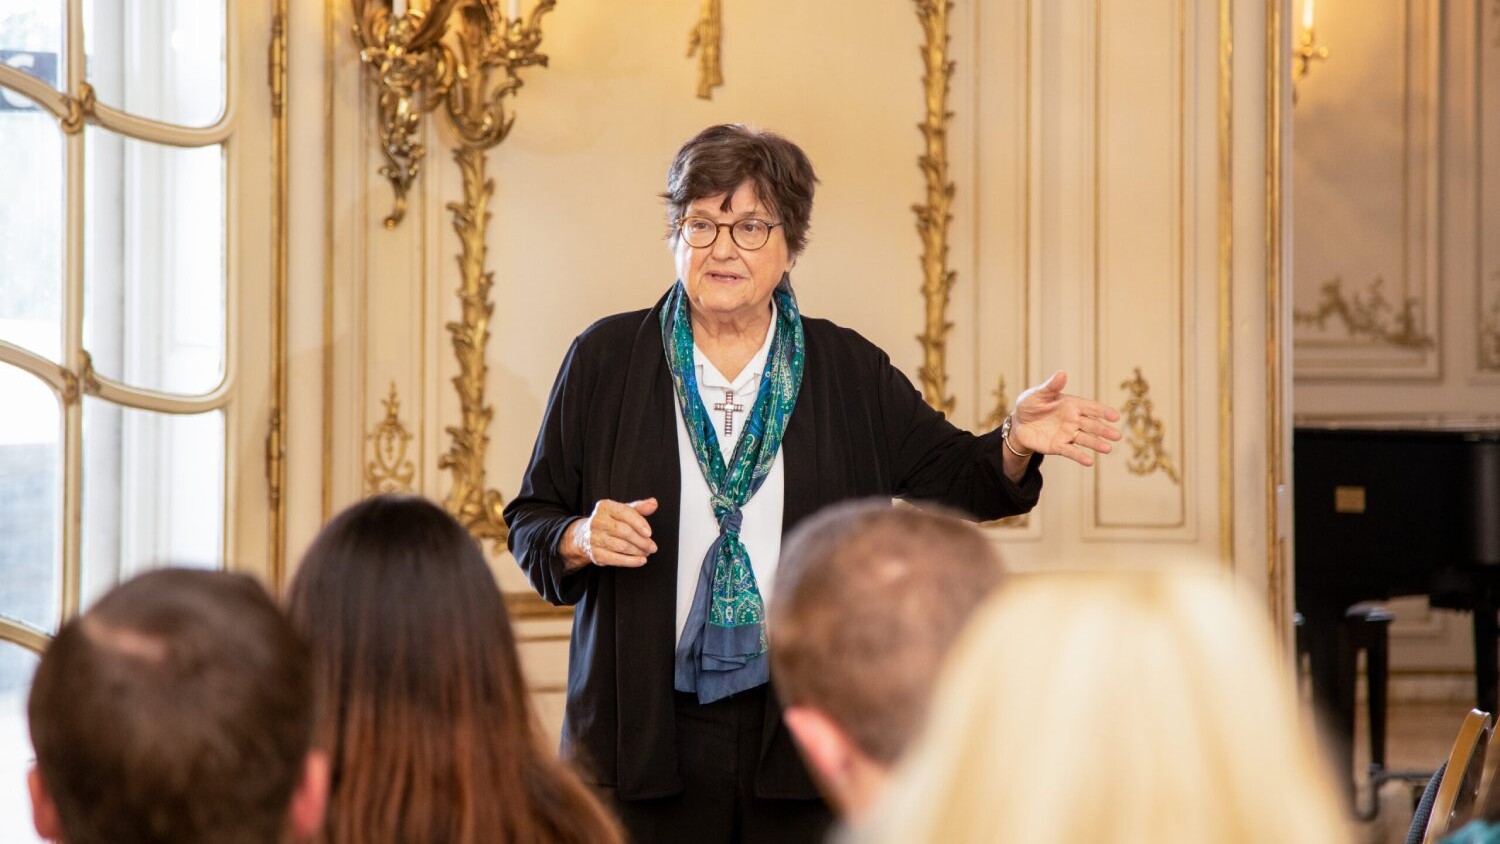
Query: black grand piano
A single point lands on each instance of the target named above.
(1389, 507)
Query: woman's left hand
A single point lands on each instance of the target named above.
(1052, 422)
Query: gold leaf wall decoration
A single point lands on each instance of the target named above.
(389, 469)
(1367, 315)
(1144, 431)
(935, 215)
(477, 508)
(706, 39)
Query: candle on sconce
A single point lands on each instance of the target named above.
(514, 11)
(398, 8)
(1307, 15)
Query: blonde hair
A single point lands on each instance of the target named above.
(1116, 707)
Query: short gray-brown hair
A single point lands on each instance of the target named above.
(179, 708)
(868, 599)
(721, 158)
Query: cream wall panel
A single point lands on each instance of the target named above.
(996, 304)
(1124, 230)
(1366, 166)
(1463, 166)
(308, 254)
(1141, 232)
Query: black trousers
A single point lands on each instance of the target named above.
(718, 752)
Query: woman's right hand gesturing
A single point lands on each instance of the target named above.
(615, 534)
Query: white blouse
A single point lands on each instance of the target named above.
(728, 405)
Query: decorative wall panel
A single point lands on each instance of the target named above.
(1140, 298)
(1366, 171)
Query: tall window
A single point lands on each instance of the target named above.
(116, 360)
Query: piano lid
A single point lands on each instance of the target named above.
(1480, 425)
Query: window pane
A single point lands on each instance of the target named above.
(30, 500)
(31, 231)
(162, 59)
(31, 40)
(153, 486)
(16, 667)
(154, 307)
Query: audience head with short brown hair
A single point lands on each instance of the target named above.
(869, 597)
(1114, 707)
(428, 723)
(178, 709)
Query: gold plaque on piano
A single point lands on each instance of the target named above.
(1348, 499)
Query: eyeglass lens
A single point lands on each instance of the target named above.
(701, 232)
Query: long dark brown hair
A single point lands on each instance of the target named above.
(426, 721)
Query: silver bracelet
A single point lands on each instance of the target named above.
(1005, 438)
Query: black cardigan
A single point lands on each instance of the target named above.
(859, 429)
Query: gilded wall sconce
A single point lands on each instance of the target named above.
(706, 40)
(414, 70)
(410, 69)
(1308, 49)
(466, 56)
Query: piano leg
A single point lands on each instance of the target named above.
(1332, 656)
(1485, 669)
(1377, 664)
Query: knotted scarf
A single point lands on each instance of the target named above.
(723, 647)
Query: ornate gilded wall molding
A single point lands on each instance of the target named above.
(478, 508)
(935, 215)
(1144, 431)
(414, 71)
(411, 70)
(389, 469)
(492, 49)
(276, 433)
(473, 73)
(706, 39)
(1367, 315)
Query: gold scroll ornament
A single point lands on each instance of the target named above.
(389, 469)
(706, 39)
(1144, 431)
(934, 216)
(1367, 315)
(411, 70)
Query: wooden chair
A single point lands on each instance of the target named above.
(1488, 805)
(1458, 790)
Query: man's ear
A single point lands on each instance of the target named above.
(43, 810)
(304, 816)
(827, 749)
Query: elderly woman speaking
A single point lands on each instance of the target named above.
(679, 444)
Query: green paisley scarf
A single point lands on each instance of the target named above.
(723, 646)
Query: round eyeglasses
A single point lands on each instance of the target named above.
(701, 232)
